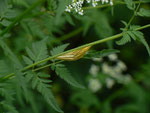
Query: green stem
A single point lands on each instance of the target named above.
(133, 14)
(21, 16)
(37, 69)
(86, 45)
(48, 65)
(107, 5)
(69, 35)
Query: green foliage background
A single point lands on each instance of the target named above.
(34, 32)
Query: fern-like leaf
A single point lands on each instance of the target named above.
(64, 73)
(125, 39)
(41, 83)
(4, 68)
(140, 37)
(37, 53)
(58, 49)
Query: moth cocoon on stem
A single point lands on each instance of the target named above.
(74, 55)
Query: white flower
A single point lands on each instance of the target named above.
(121, 65)
(113, 57)
(97, 59)
(109, 82)
(106, 68)
(77, 5)
(94, 84)
(68, 8)
(94, 70)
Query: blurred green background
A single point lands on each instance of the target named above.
(118, 83)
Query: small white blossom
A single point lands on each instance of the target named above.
(94, 70)
(97, 59)
(76, 5)
(112, 57)
(121, 65)
(106, 68)
(68, 8)
(94, 84)
(109, 82)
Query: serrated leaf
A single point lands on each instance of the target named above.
(44, 75)
(38, 51)
(29, 76)
(131, 34)
(43, 86)
(144, 12)
(7, 106)
(46, 92)
(4, 68)
(69, 19)
(99, 54)
(30, 53)
(125, 23)
(10, 54)
(21, 2)
(58, 49)
(130, 4)
(27, 60)
(5, 22)
(125, 39)
(141, 38)
(64, 73)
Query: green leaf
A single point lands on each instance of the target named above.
(141, 38)
(58, 49)
(69, 19)
(125, 39)
(131, 34)
(8, 107)
(64, 73)
(99, 54)
(27, 60)
(4, 6)
(30, 53)
(5, 69)
(42, 85)
(130, 4)
(125, 23)
(21, 2)
(5, 22)
(37, 53)
(10, 54)
(144, 12)
(40, 50)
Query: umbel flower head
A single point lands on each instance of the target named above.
(76, 5)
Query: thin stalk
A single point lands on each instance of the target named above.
(69, 35)
(134, 14)
(48, 65)
(107, 5)
(34, 70)
(86, 45)
(20, 17)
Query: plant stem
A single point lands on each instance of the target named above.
(133, 14)
(86, 45)
(48, 65)
(107, 5)
(69, 35)
(21, 16)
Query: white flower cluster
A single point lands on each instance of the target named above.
(77, 5)
(114, 72)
